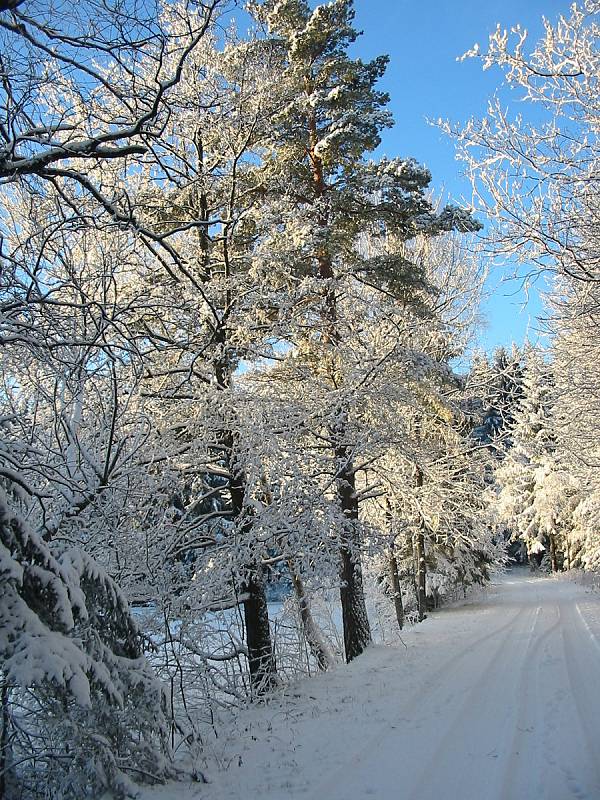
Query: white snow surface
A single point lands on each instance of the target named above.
(496, 699)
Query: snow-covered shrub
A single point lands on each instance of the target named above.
(81, 708)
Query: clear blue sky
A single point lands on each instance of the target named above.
(424, 80)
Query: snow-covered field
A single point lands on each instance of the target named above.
(495, 699)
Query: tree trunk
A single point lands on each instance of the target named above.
(261, 656)
(396, 590)
(420, 565)
(357, 633)
(319, 646)
(420, 574)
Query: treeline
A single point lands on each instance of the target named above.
(536, 172)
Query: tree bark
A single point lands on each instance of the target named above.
(357, 633)
(319, 646)
(261, 657)
(420, 564)
(396, 589)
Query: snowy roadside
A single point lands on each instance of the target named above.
(298, 736)
(492, 698)
(590, 580)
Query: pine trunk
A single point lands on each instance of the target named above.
(357, 633)
(396, 590)
(420, 564)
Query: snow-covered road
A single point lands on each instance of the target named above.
(495, 699)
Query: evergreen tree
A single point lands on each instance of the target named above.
(81, 709)
(523, 475)
(504, 392)
(324, 195)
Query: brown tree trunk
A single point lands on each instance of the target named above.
(262, 664)
(261, 657)
(420, 565)
(396, 590)
(357, 633)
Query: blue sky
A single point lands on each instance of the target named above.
(424, 80)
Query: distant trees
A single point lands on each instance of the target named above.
(494, 388)
(521, 473)
(535, 173)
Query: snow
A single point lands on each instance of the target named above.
(493, 699)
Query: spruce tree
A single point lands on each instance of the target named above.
(525, 469)
(81, 709)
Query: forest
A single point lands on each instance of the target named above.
(246, 426)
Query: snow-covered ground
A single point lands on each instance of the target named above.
(495, 699)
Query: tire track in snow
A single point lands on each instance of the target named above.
(432, 690)
(525, 753)
(591, 634)
(582, 703)
(478, 731)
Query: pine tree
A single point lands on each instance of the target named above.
(324, 195)
(504, 392)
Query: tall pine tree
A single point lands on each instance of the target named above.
(323, 195)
